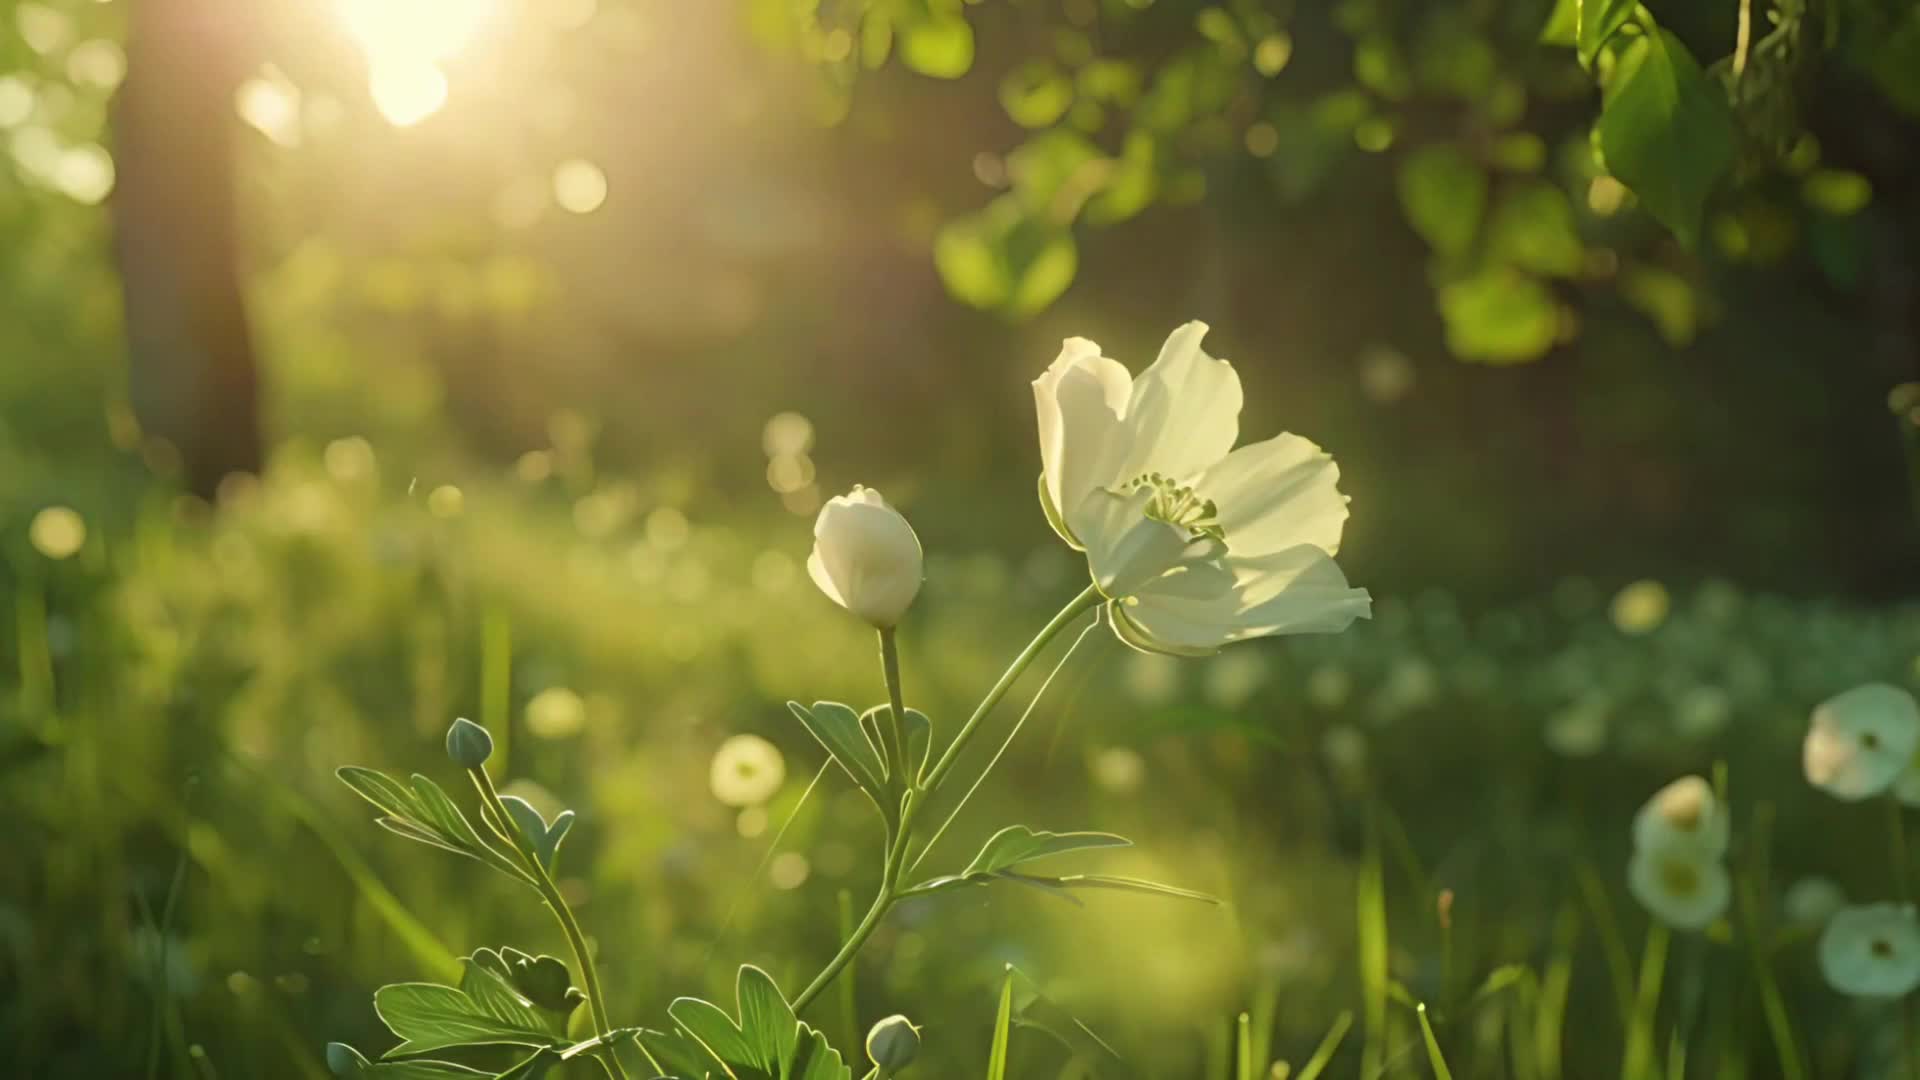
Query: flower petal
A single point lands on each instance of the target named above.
(1126, 549)
(1078, 402)
(1297, 591)
(1184, 412)
(1277, 494)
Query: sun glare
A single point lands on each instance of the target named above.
(406, 42)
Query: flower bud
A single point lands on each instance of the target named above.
(866, 557)
(892, 1044)
(468, 744)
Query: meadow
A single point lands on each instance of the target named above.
(476, 402)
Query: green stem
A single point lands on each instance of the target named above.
(897, 721)
(1074, 609)
(570, 926)
(895, 863)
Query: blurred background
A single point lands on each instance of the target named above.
(374, 362)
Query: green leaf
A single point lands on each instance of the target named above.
(418, 1070)
(1001, 258)
(542, 980)
(940, 47)
(544, 838)
(1499, 316)
(673, 1053)
(1665, 132)
(1055, 172)
(1597, 22)
(1666, 298)
(1036, 94)
(1443, 193)
(838, 729)
(919, 732)
(482, 1011)
(768, 1041)
(767, 1022)
(423, 813)
(1533, 228)
(1563, 24)
(1129, 884)
(1017, 844)
(1132, 184)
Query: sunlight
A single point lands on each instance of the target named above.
(405, 42)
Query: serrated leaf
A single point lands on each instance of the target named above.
(839, 731)
(1443, 194)
(710, 1026)
(674, 1053)
(545, 838)
(1017, 844)
(1665, 132)
(487, 1012)
(767, 1022)
(423, 813)
(919, 733)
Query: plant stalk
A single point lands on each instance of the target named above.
(549, 892)
(917, 793)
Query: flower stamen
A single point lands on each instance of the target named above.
(1178, 505)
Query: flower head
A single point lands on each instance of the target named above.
(746, 771)
(1861, 741)
(1193, 543)
(1872, 950)
(866, 557)
(1684, 814)
(1686, 888)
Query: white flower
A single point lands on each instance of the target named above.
(1872, 950)
(1861, 741)
(1685, 888)
(746, 771)
(1811, 901)
(1684, 814)
(866, 557)
(1194, 544)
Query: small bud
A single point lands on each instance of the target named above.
(892, 1044)
(344, 1060)
(866, 557)
(468, 744)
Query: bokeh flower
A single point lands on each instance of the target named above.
(1193, 543)
(1686, 888)
(1861, 741)
(746, 771)
(1684, 814)
(1811, 901)
(1872, 950)
(866, 557)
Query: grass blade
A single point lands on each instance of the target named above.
(1329, 1045)
(1434, 1056)
(1370, 919)
(1637, 1064)
(1002, 1025)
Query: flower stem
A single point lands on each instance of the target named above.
(1074, 609)
(897, 719)
(570, 926)
(897, 838)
